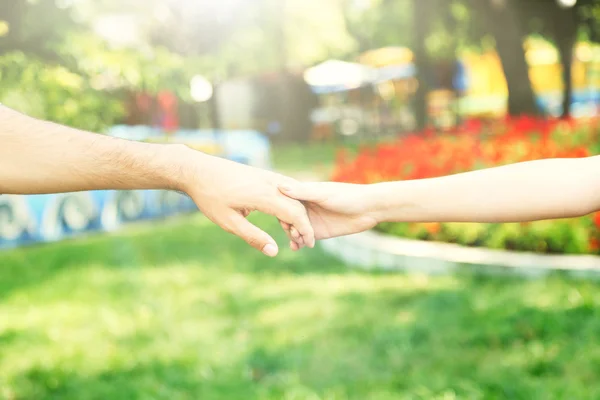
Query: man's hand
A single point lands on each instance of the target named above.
(40, 157)
(226, 192)
(334, 209)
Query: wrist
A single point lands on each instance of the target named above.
(374, 200)
(390, 201)
(191, 170)
(176, 166)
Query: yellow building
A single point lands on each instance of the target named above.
(487, 90)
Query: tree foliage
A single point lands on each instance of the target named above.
(53, 65)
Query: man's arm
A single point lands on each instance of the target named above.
(42, 157)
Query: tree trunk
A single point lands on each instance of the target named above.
(502, 19)
(421, 19)
(13, 13)
(565, 35)
(566, 55)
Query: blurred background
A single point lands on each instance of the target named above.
(133, 295)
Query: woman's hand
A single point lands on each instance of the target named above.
(522, 192)
(334, 209)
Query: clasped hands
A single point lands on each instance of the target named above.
(227, 192)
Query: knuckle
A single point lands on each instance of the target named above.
(254, 242)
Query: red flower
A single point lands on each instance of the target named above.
(597, 219)
(473, 145)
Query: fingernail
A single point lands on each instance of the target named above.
(270, 250)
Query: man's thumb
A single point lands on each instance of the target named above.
(254, 236)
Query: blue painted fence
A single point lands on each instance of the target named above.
(47, 218)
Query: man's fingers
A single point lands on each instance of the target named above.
(297, 237)
(255, 237)
(294, 213)
(287, 228)
(309, 192)
(295, 234)
(295, 246)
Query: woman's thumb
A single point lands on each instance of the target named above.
(301, 191)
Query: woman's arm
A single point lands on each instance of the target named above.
(527, 191)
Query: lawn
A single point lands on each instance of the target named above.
(184, 311)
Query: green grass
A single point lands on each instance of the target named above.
(184, 311)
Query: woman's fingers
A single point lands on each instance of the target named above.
(303, 191)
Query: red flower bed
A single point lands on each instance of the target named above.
(476, 145)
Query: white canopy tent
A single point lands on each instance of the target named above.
(337, 76)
